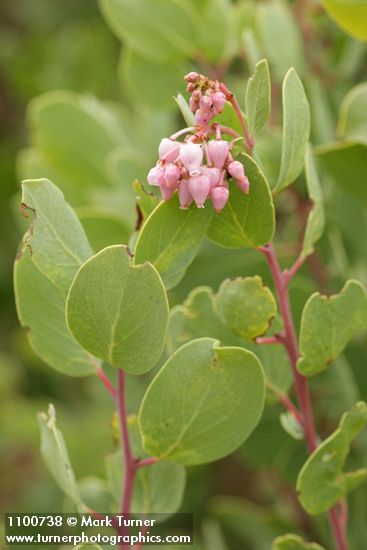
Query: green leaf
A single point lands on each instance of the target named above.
(55, 247)
(151, 27)
(258, 98)
(353, 114)
(171, 238)
(347, 164)
(294, 542)
(281, 37)
(151, 83)
(296, 129)
(119, 311)
(350, 15)
(291, 425)
(246, 306)
(203, 404)
(247, 220)
(316, 218)
(328, 324)
(186, 112)
(55, 455)
(158, 489)
(321, 482)
(93, 126)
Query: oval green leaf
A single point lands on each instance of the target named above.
(258, 99)
(328, 324)
(55, 247)
(203, 404)
(296, 129)
(119, 311)
(246, 306)
(321, 482)
(55, 455)
(316, 218)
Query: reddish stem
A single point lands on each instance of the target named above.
(128, 459)
(291, 346)
(276, 339)
(143, 462)
(281, 280)
(106, 382)
(290, 273)
(284, 399)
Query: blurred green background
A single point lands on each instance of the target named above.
(87, 107)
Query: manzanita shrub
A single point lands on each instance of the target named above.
(219, 360)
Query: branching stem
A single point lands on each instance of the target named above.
(281, 280)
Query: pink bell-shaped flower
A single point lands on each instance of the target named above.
(166, 191)
(219, 197)
(199, 187)
(191, 155)
(171, 175)
(213, 175)
(218, 152)
(184, 195)
(219, 101)
(155, 175)
(169, 149)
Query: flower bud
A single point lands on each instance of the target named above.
(243, 184)
(219, 197)
(195, 100)
(202, 118)
(171, 175)
(155, 175)
(218, 152)
(219, 101)
(213, 175)
(194, 104)
(199, 187)
(168, 149)
(236, 170)
(206, 104)
(191, 155)
(192, 77)
(184, 195)
(191, 87)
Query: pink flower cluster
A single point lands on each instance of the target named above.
(181, 168)
(200, 167)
